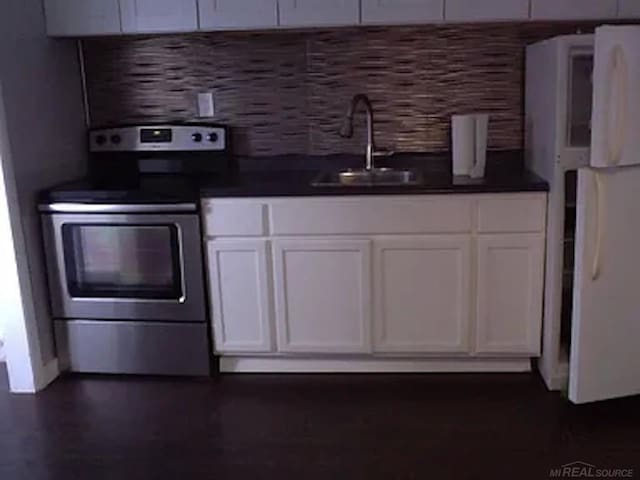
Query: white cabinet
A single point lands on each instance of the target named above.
(316, 13)
(140, 16)
(573, 9)
(108, 17)
(235, 14)
(232, 218)
(323, 295)
(386, 12)
(423, 295)
(240, 295)
(82, 17)
(629, 8)
(486, 10)
(362, 279)
(509, 293)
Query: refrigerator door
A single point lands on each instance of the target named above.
(605, 337)
(616, 97)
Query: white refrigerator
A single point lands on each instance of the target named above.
(590, 124)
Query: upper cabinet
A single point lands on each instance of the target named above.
(486, 10)
(316, 13)
(68, 18)
(573, 9)
(629, 8)
(146, 16)
(234, 14)
(78, 18)
(385, 12)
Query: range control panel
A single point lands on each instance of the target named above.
(159, 138)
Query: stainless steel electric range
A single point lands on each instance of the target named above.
(124, 252)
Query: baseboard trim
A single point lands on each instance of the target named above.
(49, 373)
(332, 365)
(557, 379)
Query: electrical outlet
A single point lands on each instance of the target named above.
(206, 105)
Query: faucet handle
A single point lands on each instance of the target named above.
(383, 153)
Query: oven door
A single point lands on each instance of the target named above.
(125, 266)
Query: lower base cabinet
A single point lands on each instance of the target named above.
(509, 294)
(472, 292)
(422, 294)
(240, 294)
(323, 295)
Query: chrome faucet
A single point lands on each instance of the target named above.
(347, 128)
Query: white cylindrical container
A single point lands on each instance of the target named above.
(482, 131)
(463, 143)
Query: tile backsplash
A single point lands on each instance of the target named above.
(287, 92)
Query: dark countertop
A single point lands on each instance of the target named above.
(292, 176)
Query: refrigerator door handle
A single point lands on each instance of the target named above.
(617, 105)
(599, 198)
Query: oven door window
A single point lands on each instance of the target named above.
(122, 261)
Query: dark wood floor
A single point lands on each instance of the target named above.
(309, 427)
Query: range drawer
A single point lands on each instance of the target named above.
(371, 215)
(143, 348)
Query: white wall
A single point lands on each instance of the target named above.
(15, 294)
(46, 134)
(2, 355)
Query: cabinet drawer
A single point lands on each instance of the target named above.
(222, 218)
(509, 213)
(377, 215)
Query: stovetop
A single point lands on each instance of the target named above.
(155, 164)
(152, 188)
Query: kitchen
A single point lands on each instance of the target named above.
(448, 274)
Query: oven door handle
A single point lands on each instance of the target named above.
(63, 207)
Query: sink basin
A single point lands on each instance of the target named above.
(368, 178)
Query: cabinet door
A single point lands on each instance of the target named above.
(323, 295)
(234, 14)
(486, 10)
(140, 16)
(240, 295)
(573, 9)
(422, 291)
(401, 11)
(509, 301)
(311, 13)
(628, 8)
(82, 17)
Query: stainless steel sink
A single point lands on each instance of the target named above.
(368, 178)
